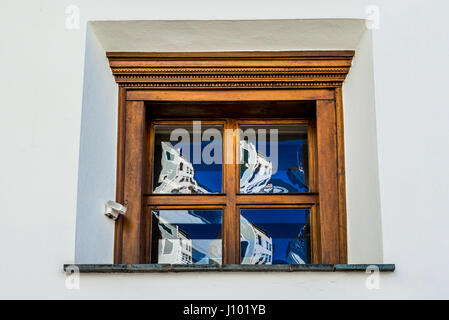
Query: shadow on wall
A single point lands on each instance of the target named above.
(97, 157)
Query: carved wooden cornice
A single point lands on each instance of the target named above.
(230, 70)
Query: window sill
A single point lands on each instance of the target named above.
(149, 268)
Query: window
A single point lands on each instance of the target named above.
(258, 188)
(196, 235)
(231, 158)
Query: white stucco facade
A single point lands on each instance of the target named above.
(58, 136)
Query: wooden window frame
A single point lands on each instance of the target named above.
(146, 78)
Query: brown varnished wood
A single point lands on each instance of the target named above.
(231, 70)
(277, 199)
(315, 237)
(222, 110)
(147, 215)
(230, 95)
(275, 206)
(120, 171)
(178, 120)
(313, 168)
(327, 181)
(172, 206)
(313, 188)
(324, 54)
(333, 66)
(231, 215)
(147, 184)
(149, 154)
(184, 199)
(268, 121)
(234, 63)
(134, 222)
(341, 177)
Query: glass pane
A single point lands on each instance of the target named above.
(275, 236)
(273, 158)
(186, 237)
(184, 163)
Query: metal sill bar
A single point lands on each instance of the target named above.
(147, 268)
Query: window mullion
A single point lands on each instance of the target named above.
(231, 216)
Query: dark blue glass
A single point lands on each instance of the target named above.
(275, 236)
(276, 162)
(187, 165)
(186, 237)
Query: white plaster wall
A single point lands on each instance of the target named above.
(411, 68)
(231, 35)
(361, 159)
(97, 158)
(42, 98)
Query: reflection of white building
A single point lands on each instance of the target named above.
(174, 246)
(259, 246)
(177, 173)
(256, 171)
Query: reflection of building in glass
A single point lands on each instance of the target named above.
(296, 175)
(297, 249)
(174, 246)
(177, 173)
(257, 246)
(215, 251)
(256, 171)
